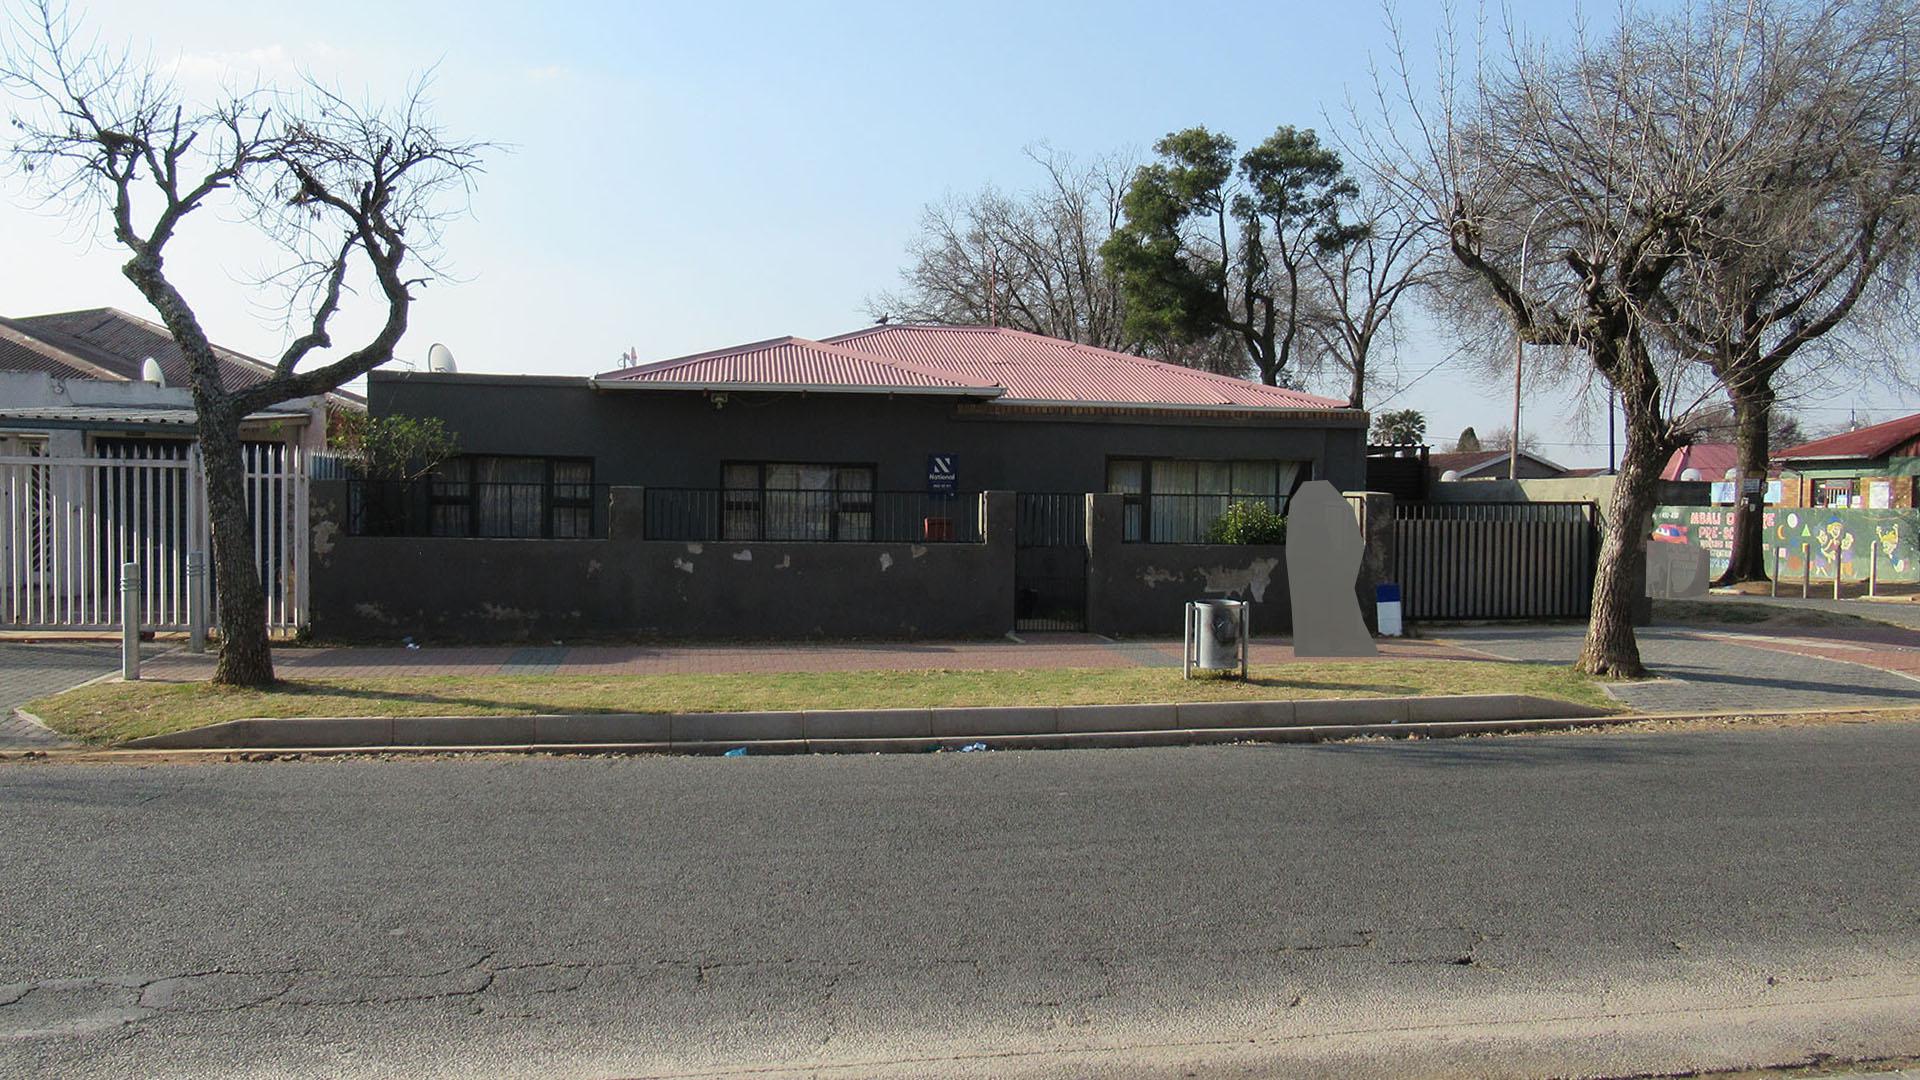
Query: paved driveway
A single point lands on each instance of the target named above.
(31, 670)
(1715, 670)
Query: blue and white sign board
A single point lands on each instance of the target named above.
(943, 477)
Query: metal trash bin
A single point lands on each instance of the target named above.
(1215, 637)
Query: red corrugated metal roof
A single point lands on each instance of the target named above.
(1712, 459)
(1036, 368)
(1877, 441)
(794, 362)
(997, 362)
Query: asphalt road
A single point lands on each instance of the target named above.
(1573, 904)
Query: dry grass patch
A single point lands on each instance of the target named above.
(115, 711)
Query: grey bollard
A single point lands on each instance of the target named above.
(196, 601)
(130, 621)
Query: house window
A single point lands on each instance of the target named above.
(512, 497)
(1176, 502)
(796, 501)
(1835, 492)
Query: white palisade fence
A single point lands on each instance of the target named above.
(68, 523)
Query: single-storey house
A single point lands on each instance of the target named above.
(1488, 465)
(902, 480)
(791, 438)
(79, 384)
(1873, 468)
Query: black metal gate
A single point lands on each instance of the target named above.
(1496, 560)
(1050, 562)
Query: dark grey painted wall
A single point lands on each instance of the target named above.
(1142, 589)
(678, 439)
(540, 590)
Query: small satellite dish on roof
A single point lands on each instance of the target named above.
(1449, 476)
(150, 372)
(440, 358)
(1690, 474)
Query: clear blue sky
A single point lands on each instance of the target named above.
(688, 176)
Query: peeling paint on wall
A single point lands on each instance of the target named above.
(683, 566)
(593, 567)
(503, 614)
(374, 612)
(919, 550)
(323, 534)
(886, 562)
(1237, 582)
(743, 556)
(785, 561)
(695, 549)
(1153, 576)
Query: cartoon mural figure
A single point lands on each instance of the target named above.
(1835, 546)
(1324, 548)
(1890, 548)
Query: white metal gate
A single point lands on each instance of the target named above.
(68, 523)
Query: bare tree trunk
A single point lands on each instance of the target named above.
(245, 658)
(1619, 581)
(1753, 413)
(1356, 398)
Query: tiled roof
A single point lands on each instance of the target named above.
(792, 362)
(108, 344)
(1880, 440)
(980, 361)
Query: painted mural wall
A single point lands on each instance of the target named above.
(1827, 535)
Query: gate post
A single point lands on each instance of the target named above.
(130, 621)
(1373, 511)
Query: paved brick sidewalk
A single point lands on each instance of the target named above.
(1036, 651)
(28, 671)
(1722, 670)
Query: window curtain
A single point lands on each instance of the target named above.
(510, 495)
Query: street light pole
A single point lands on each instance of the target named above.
(1520, 348)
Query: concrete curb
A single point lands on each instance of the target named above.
(857, 728)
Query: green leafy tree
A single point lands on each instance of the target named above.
(1217, 244)
(1468, 442)
(1399, 427)
(392, 447)
(1248, 523)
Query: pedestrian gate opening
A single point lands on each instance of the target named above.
(1050, 561)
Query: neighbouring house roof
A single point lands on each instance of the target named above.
(1010, 366)
(1878, 441)
(110, 345)
(1474, 462)
(1712, 459)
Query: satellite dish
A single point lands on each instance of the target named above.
(1690, 474)
(150, 372)
(440, 358)
(1449, 476)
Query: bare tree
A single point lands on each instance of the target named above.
(1565, 190)
(1030, 260)
(350, 191)
(1360, 285)
(1814, 248)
